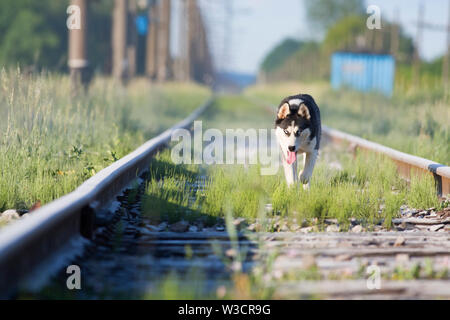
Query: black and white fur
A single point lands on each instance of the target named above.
(298, 130)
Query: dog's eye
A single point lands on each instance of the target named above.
(286, 132)
(297, 133)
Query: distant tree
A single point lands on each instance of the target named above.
(305, 64)
(324, 13)
(279, 54)
(31, 32)
(34, 33)
(344, 34)
(311, 60)
(351, 34)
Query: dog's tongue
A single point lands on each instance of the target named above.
(292, 156)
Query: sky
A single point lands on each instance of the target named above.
(258, 25)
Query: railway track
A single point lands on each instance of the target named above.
(78, 229)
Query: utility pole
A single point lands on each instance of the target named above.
(421, 25)
(198, 58)
(204, 55)
(119, 39)
(132, 39)
(395, 35)
(378, 33)
(419, 36)
(78, 62)
(445, 62)
(193, 38)
(228, 26)
(183, 68)
(190, 38)
(196, 62)
(200, 54)
(152, 41)
(369, 39)
(179, 63)
(378, 41)
(163, 50)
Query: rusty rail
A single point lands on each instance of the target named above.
(406, 163)
(27, 243)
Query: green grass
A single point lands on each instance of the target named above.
(422, 192)
(414, 123)
(171, 192)
(367, 189)
(51, 141)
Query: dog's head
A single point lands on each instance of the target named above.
(292, 127)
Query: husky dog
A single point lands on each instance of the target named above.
(298, 130)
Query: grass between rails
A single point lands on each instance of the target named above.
(366, 188)
(416, 124)
(51, 141)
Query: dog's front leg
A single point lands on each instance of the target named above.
(290, 172)
(309, 160)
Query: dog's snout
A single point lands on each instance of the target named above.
(291, 148)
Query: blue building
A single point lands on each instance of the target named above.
(363, 72)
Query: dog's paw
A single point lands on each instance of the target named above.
(304, 177)
(306, 186)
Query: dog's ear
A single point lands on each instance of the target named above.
(283, 111)
(304, 112)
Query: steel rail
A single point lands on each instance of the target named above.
(28, 242)
(407, 164)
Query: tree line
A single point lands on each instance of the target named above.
(34, 34)
(342, 26)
